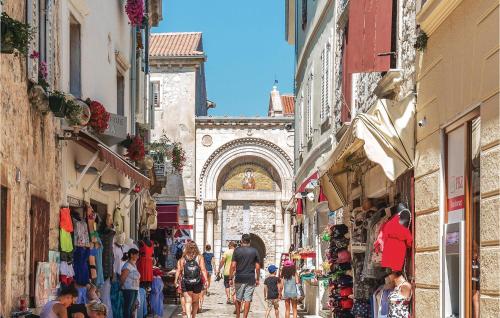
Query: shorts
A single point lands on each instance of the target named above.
(273, 303)
(195, 289)
(244, 292)
(226, 282)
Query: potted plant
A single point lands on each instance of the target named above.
(99, 118)
(135, 148)
(178, 157)
(135, 12)
(57, 103)
(74, 112)
(15, 35)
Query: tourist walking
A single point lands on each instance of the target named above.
(130, 279)
(225, 262)
(272, 292)
(193, 276)
(208, 257)
(290, 279)
(245, 268)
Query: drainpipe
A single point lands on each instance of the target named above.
(133, 106)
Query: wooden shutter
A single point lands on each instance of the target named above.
(32, 20)
(39, 242)
(370, 33)
(345, 109)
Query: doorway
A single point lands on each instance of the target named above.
(257, 243)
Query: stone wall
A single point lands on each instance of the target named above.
(260, 222)
(27, 144)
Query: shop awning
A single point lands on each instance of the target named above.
(304, 184)
(167, 216)
(115, 160)
(385, 132)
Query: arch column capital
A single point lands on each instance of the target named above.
(210, 205)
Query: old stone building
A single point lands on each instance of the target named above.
(244, 171)
(30, 164)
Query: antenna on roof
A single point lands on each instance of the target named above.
(275, 85)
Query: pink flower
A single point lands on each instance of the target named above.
(135, 11)
(34, 55)
(42, 70)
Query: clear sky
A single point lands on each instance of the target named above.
(246, 49)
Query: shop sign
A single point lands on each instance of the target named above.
(456, 175)
(117, 130)
(75, 202)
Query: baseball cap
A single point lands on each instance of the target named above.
(272, 269)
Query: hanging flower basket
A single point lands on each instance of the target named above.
(99, 118)
(57, 104)
(15, 35)
(135, 12)
(135, 148)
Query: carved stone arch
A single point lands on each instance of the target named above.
(239, 148)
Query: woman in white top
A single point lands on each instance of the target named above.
(59, 308)
(130, 279)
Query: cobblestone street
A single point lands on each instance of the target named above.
(215, 304)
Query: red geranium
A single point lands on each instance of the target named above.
(135, 150)
(99, 117)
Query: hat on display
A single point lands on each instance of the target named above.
(340, 230)
(345, 291)
(288, 263)
(344, 281)
(343, 256)
(346, 303)
(272, 269)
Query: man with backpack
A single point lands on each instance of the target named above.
(193, 277)
(245, 269)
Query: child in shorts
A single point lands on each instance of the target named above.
(272, 291)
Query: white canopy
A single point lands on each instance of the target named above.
(386, 132)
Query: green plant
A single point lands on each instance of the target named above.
(159, 149)
(73, 112)
(15, 35)
(421, 41)
(178, 157)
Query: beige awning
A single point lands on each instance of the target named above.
(386, 133)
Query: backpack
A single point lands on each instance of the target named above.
(192, 272)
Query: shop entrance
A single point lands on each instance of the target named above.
(260, 246)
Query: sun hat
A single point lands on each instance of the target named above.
(272, 268)
(343, 256)
(288, 263)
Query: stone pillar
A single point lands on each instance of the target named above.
(210, 207)
(286, 232)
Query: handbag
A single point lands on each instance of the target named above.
(300, 292)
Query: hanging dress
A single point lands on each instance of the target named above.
(399, 305)
(116, 299)
(98, 260)
(157, 296)
(145, 262)
(81, 265)
(107, 236)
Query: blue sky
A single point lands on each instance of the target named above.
(246, 49)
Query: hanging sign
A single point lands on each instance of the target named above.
(456, 175)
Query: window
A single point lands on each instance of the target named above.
(325, 82)
(308, 106)
(42, 30)
(345, 106)
(462, 216)
(40, 216)
(120, 94)
(302, 131)
(75, 68)
(156, 93)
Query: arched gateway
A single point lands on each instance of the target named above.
(244, 181)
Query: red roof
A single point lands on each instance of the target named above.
(176, 44)
(287, 102)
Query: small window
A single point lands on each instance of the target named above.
(120, 95)
(156, 94)
(42, 30)
(325, 82)
(75, 68)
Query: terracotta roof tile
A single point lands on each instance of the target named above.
(176, 44)
(288, 104)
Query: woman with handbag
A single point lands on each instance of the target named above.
(292, 289)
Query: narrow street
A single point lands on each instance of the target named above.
(215, 305)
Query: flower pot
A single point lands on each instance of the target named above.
(7, 44)
(57, 105)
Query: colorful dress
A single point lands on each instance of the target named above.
(145, 262)
(399, 306)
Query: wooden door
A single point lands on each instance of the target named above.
(39, 238)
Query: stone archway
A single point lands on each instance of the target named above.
(260, 246)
